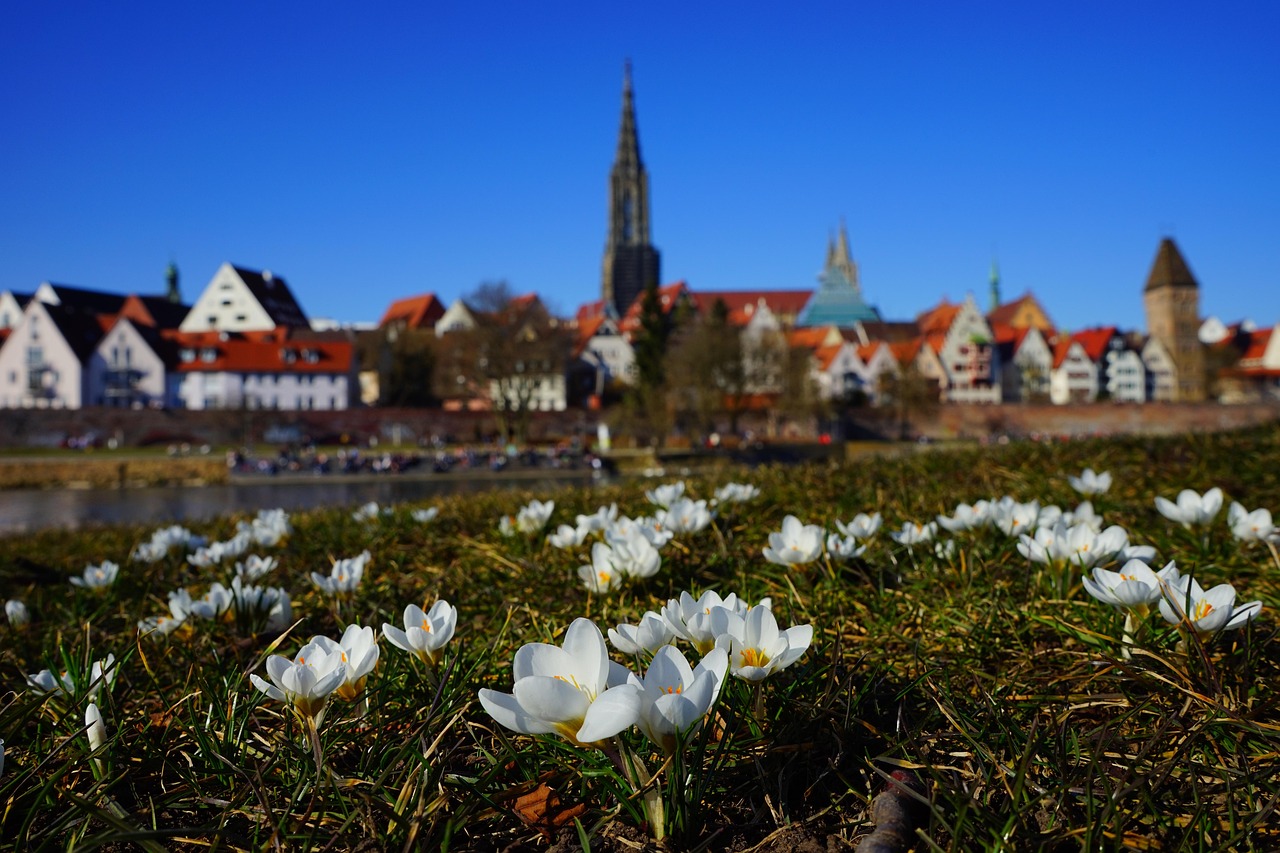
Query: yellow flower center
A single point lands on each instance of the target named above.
(604, 577)
(426, 625)
(1203, 609)
(678, 689)
(754, 657)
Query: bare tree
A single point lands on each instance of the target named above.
(512, 358)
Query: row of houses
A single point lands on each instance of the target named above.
(247, 343)
(244, 344)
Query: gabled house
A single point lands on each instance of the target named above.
(1125, 371)
(1079, 366)
(1256, 374)
(414, 313)
(965, 346)
(602, 357)
(11, 308)
(1026, 360)
(133, 366)
(42, 361)
(286, 369)
(1025, 312)
(238, 299)
(877, 364)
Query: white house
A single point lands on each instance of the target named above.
(965, 346)
(42, 360)
(606, 352)
(280, 370)
(1026, 360)
(456, 318)
(877, 363)
(131, 366)
(243, 300)
(1126, 375)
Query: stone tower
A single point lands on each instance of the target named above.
(630, 263)
(1172, 302)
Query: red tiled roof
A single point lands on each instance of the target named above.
(586, 331)
(938, 320)
(590, 311)
(867, 352)
(826, 355)
(271, 352)
(417, 312)
(668, 297)
(742, 304)
(1094, 341)
(905, 352)
(809, 338)
(1257, 345)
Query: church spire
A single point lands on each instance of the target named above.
(630, 262)
(171, 280)
(995, 285)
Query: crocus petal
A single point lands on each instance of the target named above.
(614, 710)
(504, 708)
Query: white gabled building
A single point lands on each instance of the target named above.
(1026, 361)
(964, 343)
(237, 299)
(132, 366)
(1126, 375)
(42, 360)
(284, 370)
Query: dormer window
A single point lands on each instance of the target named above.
(208, 354)
(187, 354)
(310, 356)
(288, 356)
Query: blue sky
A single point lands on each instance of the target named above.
(376, 153)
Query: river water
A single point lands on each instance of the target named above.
(28, 510)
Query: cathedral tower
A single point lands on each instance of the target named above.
(1172, 302)
(630, 263)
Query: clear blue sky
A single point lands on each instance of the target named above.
(368, 154)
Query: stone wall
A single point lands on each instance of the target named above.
(409, 427)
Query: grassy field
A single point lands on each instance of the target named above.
(999, 691)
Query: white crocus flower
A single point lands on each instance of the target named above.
(425, 633)
(757, 649)
(966, 517)
(98, 578)
(424, 516)
(1248, 526)
(634, 555)
(666, 495)
(573, 690)
(798, 543)
(599, 521)
(96, 730)
(862, 526)
(358, 651)
(254, 567)
(601, 575)
(1091, 483)
(16, 612)
(844, 548)
(652, 633)
(1134, 587)
(568, 537)
(45, 681)
(1192, 508)
(692, 619)
(367, 512)
(304, 683)
(914, 533)
(736, 493)
(685, 516)
(675, 698)
(214, 604)
(1015, 518)
(534, 516)
(345, 576)
(1205, 612)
